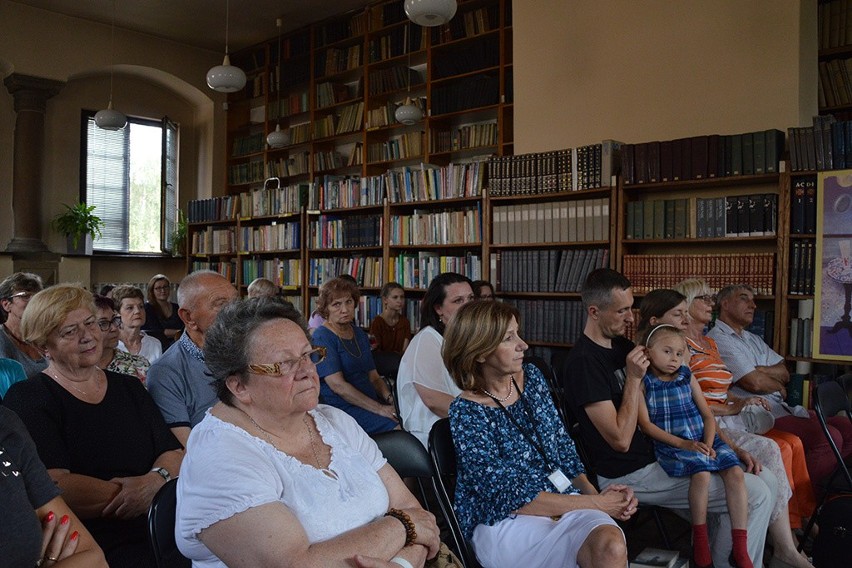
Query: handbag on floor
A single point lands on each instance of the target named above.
(444, 559)
(834, 541)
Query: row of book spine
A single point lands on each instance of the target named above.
(337, 60)
(213, 241)
(446, 227)
(366, 270)
(251, 144)
(550, 321)
(550, 270)
(392, 79)
(826, 145)
(468, 24)
(250, 172)
(432, 183)
(396, 42)
(834, 23)
(333, 232)
(344, 192)
(213, 209)
(417, 270)
(578, 220)
(296, 163)
(397, 147)
(228, 269)
(294, 103)
(803, 195)
(272, 237)
(802, 330)
(802, 266)
(385, 115)
(463, 137)
(284, 272)
(650, 271)
(702, 157)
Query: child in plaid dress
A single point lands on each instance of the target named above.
(676, 416)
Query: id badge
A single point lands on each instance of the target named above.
(559, 481)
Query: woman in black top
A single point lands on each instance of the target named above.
(161, 316)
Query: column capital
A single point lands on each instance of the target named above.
(31, 93)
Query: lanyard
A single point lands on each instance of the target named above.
(523, 432)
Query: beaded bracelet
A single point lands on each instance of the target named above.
(402, 517)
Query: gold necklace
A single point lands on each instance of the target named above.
(505, 398)
(264, 432)
(353, 340)
(73, 386)
(326, 470)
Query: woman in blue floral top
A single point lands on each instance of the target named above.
(522, 496)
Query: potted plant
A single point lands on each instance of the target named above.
(79, 225)
(179, 235)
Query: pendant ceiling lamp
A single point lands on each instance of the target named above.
(430, 13)
(109, 118)
(408, 113)
(226, 78)
(278, 138)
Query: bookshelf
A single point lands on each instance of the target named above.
(834, 60)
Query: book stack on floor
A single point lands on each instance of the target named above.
(658, 558)
(650, 271)
(702, 157)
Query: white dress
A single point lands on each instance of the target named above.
(227, 471)
(422, 364)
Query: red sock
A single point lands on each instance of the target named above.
(740, 538)
(701, 546)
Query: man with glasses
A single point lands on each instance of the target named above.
(15, 293)
(759, 371)
(179, 381)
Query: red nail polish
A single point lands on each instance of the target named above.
(49, 517)
(64, 520)
(74, 535)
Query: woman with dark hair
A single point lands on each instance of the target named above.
(15, 293)
(424, 386)
(350, 381)
(161, 315)
(271, 477)
(99, 433)
(690, 311)
(391, 328)
(522, 495)
(113, 359)
(483, 290)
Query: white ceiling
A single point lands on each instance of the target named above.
(201, 23)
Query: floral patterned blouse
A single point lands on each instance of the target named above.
(129, 364)
(499, 471)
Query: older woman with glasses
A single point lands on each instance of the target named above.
(15, 293)
(271, 478)
(112, 359)
(102, 439)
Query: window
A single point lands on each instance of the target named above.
(130, 175)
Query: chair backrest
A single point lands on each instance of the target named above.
(444, 461)
(829, 400)
(11, 372)
(161, 528)
(553, 385)
(387, 363)
(404, 453)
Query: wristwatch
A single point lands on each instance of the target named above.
(163, 472)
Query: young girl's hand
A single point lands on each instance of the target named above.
(694, 446)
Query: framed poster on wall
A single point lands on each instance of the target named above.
(833, 271)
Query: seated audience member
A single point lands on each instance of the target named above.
(112, 359)
(15, 291)
(38, 527)
(424, 386)
(757, 370)
(301, 484)
(179, 381)
(130, 304)
(10, 373)
(391, 329)
(106, 290)
(262, 287)
(316, 319)
(483, 290)
(161, 316)
(602, 377)
(522, 495)
(689, 308)
(98, 433)
(350, 381)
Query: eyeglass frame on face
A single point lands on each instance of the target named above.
(278, 369)
(114, 322)
(69, 333)
(24, 295)
(707, 299)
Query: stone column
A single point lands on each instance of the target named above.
(30, 96)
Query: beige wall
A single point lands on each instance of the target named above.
(152, 78)
(587, 70)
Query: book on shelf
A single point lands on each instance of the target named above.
(428, 227)
(650, 271)
(801, 272)
(655, 558)
(544, 270)
(416, 270)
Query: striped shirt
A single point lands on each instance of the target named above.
(710, 371)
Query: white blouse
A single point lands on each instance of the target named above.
(151, 348)
(227, 471)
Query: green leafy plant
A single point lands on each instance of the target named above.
(78, 221)
(179, 235)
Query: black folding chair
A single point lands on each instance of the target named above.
(161, 528)
(443, 454)
(830, 400)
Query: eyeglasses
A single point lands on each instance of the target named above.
(73, 331)
(25, 296)
(282, 368)
(105, 324)
(707, 299)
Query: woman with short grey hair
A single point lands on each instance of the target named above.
(15, 293)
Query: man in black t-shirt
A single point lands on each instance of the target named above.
(602, 381)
